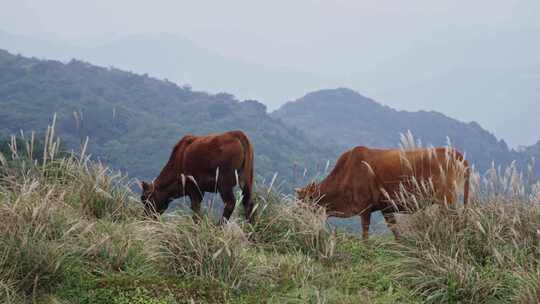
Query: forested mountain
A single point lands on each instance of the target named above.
(174, 57)
(134, 120)
(347, 119)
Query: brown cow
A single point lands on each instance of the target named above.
(193, 166)
(366, 180)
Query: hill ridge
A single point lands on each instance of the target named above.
(348, 118)
(134, 120)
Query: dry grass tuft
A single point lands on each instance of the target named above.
(475, 254)
(202, 249)
(48, 206)
(101, 193)
(293, 225)
(32, 243)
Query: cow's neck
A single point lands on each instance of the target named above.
(327, 192)
(168, 180)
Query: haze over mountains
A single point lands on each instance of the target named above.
(176, 58)
(491, 89)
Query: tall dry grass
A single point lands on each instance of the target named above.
(204, 250)
(480, 254)
(284, 224)
(59, 213)
(64, 216)
(34, 219)
(51, 207)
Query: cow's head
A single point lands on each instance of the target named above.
(309, 193)
(153, 199)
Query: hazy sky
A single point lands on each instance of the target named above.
(472, 60)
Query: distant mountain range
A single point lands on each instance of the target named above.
(455, 76)
(134, 120)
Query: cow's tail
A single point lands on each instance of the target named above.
(466, 187)
(246, 174)
(463, 165)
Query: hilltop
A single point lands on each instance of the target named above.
(175, 57)
(347, 118)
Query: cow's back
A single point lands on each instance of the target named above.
(395, 169)
(205, 154)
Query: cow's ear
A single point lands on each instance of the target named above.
(145, 186)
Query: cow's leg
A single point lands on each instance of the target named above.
(196, 198)
(450, 197)
(390, 219)
(227, 195)
(365, 219)
(247, 202)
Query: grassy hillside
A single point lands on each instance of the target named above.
(134, 120)
(71, 231)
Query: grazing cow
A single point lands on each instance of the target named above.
(199, 164)
(366, 180)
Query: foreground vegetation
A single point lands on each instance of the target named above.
(71, 231)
